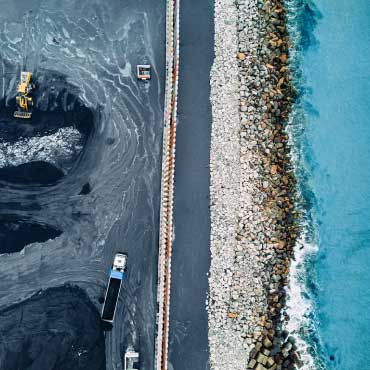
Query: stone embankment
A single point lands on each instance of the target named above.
(253, 195)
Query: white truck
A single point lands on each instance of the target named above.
(131, 359)
(143, 72)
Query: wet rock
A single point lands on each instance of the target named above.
(260, 367)
(267, 343)
(252, 363)
(261, 358)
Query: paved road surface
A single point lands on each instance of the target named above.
(188, 318)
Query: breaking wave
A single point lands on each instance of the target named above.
(302, 19)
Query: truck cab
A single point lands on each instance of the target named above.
(120, 261)
(131, 359)
(143, 72)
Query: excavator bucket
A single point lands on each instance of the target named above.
(20, 114)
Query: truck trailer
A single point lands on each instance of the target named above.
(116, 276)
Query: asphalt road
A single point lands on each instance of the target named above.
(191, 257)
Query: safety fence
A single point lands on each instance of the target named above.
(167, 184)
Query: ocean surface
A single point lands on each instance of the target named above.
(331, 138)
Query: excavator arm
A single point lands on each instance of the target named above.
(24, 99)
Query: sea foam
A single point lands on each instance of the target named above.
(299, 306)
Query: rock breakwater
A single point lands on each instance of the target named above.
(253, 195)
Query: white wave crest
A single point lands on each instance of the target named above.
(299, 307)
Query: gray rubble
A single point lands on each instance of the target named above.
(225, 345)
(252, 190)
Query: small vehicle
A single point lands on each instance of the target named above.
(116, 275)
(24, 96)
(143, 72)
(131, 359)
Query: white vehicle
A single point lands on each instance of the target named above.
(131, 359)
(143, 72)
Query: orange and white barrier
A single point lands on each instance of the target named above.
(167, 184)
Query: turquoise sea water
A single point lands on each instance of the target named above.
(332, 54)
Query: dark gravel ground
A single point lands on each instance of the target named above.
(83, 56)
(58, 329)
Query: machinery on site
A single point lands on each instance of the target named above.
(116, 275)
(143, 72)
(131, 359)
(24, 96)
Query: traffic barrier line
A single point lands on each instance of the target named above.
(167, 185)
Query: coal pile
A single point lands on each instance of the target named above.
(57, 329)
(16, 233)
(38, 158)
(37, 172)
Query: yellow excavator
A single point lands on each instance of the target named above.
(24, 97)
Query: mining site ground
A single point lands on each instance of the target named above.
(79, 181)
